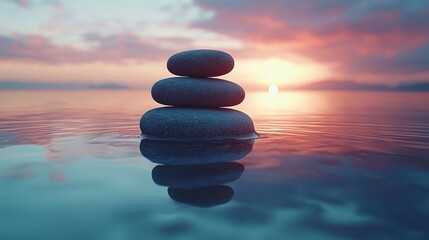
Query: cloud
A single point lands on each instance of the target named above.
(364, 36)
(68, 35)
(125, 46)
(111, 48)
(26, 4)
(407, 61)
(32, 47)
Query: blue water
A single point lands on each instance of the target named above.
(328, 165)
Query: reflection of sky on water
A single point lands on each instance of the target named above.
(329, 166)
(340, 196)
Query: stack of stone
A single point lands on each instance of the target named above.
(195, 169)
(197, 100)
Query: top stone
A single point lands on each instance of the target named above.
(200, 63)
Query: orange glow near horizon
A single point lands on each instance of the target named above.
(278, 72)
(252, 74)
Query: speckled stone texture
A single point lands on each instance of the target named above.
(174, 123)
(197, 92)
(193, 176)
(200, 63)
(194, 152)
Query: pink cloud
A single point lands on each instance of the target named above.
(338, 33)
(112, 49)
(22, 3)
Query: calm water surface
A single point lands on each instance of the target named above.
(328, 165)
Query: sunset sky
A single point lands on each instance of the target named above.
(280, 42)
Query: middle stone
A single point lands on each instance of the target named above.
(197, 92)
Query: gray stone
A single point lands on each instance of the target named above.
(200, 63)
(174, 123)
(197, 92)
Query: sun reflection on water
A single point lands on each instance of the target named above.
(284, 103)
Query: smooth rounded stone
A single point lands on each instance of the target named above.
(202, 197)
(200, 63)
(174, 123)
(193, 176)
(197, 92)
(194, 152)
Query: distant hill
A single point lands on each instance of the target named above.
(421, 87)
(108, 86)
(39, 85)
(332, 85)
(343, 86)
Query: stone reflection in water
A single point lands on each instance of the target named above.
(193, 176)
(202, 197)
(196, 172)
(194, 153)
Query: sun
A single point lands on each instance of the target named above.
(273, 89)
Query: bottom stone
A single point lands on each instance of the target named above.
(174, 123)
